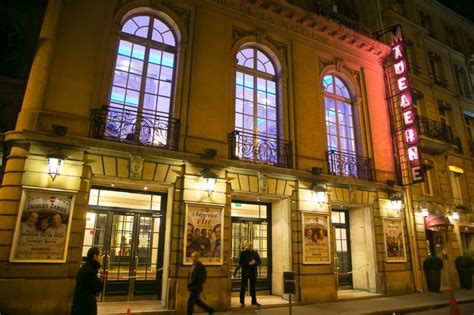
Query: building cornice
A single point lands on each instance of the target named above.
(308, 24)
(109, 148)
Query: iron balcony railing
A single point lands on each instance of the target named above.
(346, 164)
(135, 127)
(435, 130)
(259, 149)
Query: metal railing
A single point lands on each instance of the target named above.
(347, 164)
(135, 127)
(435, 130)
(259, 149)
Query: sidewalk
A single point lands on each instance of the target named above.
(383, 305)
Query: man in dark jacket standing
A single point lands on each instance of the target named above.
(248, 262)
(88, 285)
(197, 277)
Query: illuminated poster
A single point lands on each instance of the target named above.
(394, 240)
(42, 230)
(315, 238)
(203, 233)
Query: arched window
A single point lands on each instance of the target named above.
(256, 106)
(143, 82)
(339, 115)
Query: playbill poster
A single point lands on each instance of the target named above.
(315, 238)
(203, 233)
(394, 240)
(43, 224)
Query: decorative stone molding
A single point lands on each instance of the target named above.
(262, 183)
(136, 166)
(340, 66)
(183, 14)
(309, 24)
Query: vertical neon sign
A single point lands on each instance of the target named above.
(404, 99)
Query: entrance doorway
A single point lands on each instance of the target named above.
(128, 227)
(252, 221)
(340, 223)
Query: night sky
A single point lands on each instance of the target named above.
(463, 7)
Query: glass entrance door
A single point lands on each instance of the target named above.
(340, 223)
(251, 222)
(132, 244)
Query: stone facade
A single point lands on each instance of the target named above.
(72, 75)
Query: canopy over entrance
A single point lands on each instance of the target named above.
(437, 222)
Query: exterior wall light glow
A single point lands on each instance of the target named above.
(55, 163)
(455, 216)
(396, 201)
(318, 194)
(424, 212)
(209, 181)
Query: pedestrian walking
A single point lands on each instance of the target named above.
(248, 262)
(88, 284)
(197, 277)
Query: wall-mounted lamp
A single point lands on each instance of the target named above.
(455, 216)
(396, 201)
(424, 212)
(55, 163)
(318, 194)
(209, 181)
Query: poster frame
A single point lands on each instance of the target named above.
(189, 205)
(306, 214)
(26, 192)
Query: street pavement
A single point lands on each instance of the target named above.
(465, 309)
(426, 303)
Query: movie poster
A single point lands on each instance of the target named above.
(203, 233)
(315, 238)
(42, 230)
(394, 240)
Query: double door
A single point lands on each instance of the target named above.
(256, 230)
(132, 247)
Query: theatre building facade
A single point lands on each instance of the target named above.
(152, 129)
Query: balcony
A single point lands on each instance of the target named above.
(346, 164)
(436, 137)
(259, 149)
(134, 127)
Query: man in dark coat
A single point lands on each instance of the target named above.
(88, 285)
(248, 262)
(197, 277)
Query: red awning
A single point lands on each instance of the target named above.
(437, 222)
(466, 228)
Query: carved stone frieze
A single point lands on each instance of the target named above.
(319, 26)
(183, 14)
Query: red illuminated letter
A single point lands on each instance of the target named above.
(402, 84)
(413, 154)
(399, 67)
(405, 100)
(408, 117)
(398, 52)
(411, 136)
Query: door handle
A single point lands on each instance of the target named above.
(136, 264)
